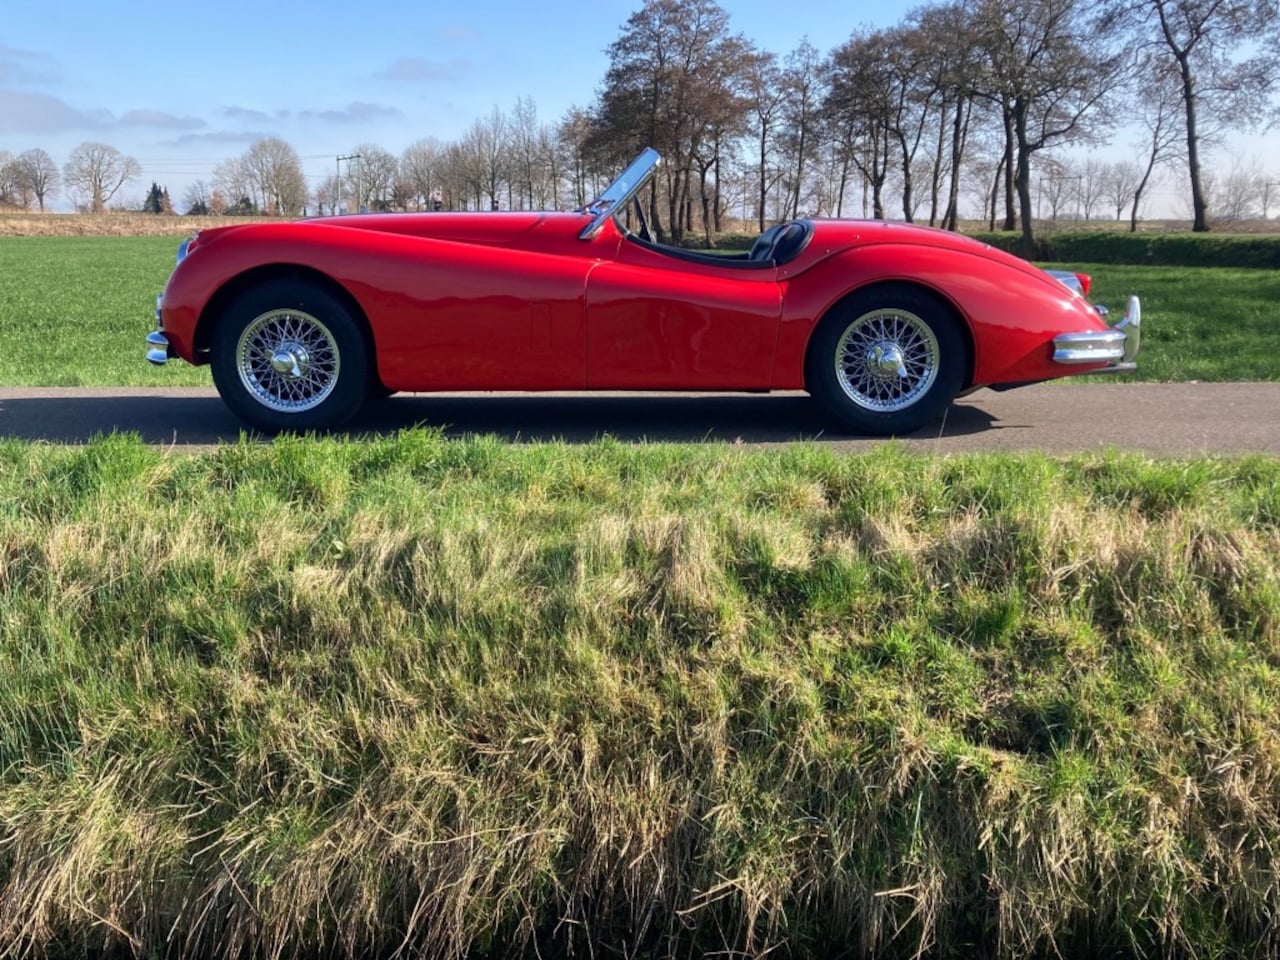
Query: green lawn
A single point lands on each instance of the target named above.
(74, 311)
(336, 697)
(1199, 323)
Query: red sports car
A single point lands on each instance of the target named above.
(884, 323)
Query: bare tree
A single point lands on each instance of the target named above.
(328, 195)
(1158, 109)
(97, 171)
(664, 68)
(1052, 72)
(38, 174)
(1201, 41)
(1119, 184)
(946, 57)
(420, 165)
(235, 186)
(1091, 183)
(10, 182)
(802, 82)
(196, 198)
(762, 83)
(276, 171)
(525, 158)
(859, 100)
(1239, 194)
(372, 178)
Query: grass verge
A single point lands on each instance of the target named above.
(465, 698)
(74, 312)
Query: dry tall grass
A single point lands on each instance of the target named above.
(460, 699)
(110, 224)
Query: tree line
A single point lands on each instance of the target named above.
(973, 102)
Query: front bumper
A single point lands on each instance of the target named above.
(1117, 347)
(158, 349)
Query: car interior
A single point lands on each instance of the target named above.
(779, 244)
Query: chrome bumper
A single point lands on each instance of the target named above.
(157, 348)
(1117, 347)
(157, 343)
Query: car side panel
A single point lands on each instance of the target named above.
(655, 322)
(444, 315)
(1012, 316)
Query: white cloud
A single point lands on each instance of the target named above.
(353, 113)
(29, 112)
(418, 70)
(18, 66)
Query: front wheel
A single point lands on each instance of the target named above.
(287, 355)
(887, 361)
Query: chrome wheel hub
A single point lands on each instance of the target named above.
(886, 360)
(288, 360)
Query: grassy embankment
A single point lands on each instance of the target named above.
(74, 311)
(459, 696)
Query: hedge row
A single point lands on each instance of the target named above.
(1173, 250)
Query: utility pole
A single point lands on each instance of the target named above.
(1266, 195)
(338, 182)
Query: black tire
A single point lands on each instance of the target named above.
(859, 353)
(290, 321)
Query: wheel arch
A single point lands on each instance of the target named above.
(962, 322)
(217, 304)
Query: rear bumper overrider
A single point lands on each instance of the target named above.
(1117, 347)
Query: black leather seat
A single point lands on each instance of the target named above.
(763, 245)
(781, 242)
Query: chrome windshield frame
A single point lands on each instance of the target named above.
(618, 193)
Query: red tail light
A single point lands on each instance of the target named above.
(1085, 282)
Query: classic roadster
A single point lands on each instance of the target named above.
(883, 323)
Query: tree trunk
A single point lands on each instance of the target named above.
(1010, 217)
(1022, 180)
(907, 181)
(1200, 208)
(935, 182)
(706, 208)
(958, 135)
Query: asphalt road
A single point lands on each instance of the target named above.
(1165, 419)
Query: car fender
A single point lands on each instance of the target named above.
(1010, 313)
(392, 279)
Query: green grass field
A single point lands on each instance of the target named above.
(461, 698)
(74, 312)
(338, 697)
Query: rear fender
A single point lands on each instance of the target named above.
(1010, 315)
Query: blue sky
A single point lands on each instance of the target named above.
(181, 86)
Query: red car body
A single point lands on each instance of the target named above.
(523, 301)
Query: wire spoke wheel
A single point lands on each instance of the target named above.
(887, 359)
(288, 360)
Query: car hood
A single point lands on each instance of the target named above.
(506, 228)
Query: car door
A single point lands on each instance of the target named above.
(659, 321)
(454, 316)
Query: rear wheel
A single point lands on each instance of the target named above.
(887, 361)
(287, 355)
